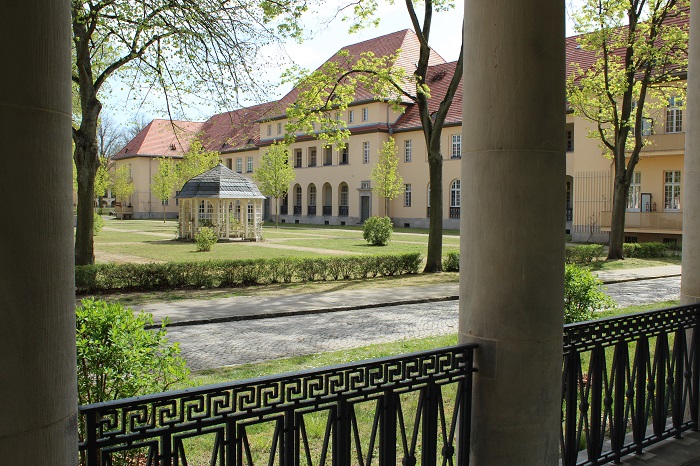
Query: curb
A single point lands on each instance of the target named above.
(236, 318)
(639, 279)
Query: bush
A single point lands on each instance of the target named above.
(582, 295)
(118, 358)
(97, 224)
(205, 239)
(450, 262)
(225, 273)
(584, 254)
(650, 250)
(377, 230)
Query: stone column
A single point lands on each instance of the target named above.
(512, 226)
(37, 294)
(690, 278)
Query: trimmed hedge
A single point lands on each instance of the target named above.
(450, 262)
(229, 273)
(651, 250)
(584, 254)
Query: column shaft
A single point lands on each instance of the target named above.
(37, 294)
(690, 279)
(512, 226)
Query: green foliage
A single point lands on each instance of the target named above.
(386, 179)
(227, 273)
(450, 262)
(275, 173)
(584, 254)
(122, 184)
(582, 295)
(377, 230)
(102, 178)
(165, 180)
(651, 250)
(194, 162)
(205, 238)
(97, 224)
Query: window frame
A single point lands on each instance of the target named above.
(408, 150)
(456, 146)
(407, 195)
(365, 152)
(672, 203)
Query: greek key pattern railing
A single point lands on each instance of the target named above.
(629, 382)
(412, 409)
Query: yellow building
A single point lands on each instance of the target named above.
(333, 187)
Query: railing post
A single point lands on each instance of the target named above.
(695, 391)
(639, 422)
(166, 454)
(287, 453)
(660, 358)
(342, 438)
(570, 449)
(465, 421)
(430, 424)
(91, 439)
(596, 433)
(619, 426)
(679, 351)
(387, 436)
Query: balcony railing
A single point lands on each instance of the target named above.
(297, 210)
(647, 221)
(454, 212)
(327, 210)
(284, 209)
(343, 211)
(629, 382)
(569, 214)
(411, 409)
(311, 210)
(427, 214)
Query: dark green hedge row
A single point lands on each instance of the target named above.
(651, 250)
(226, 273)
(584, 254)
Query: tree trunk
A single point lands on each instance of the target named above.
(163, 212)
(386, 207)
(86, 162)
(617, 225)
(433, 262)
(277, 213)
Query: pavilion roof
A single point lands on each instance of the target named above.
(220, 183)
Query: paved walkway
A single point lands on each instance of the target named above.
(188, 312)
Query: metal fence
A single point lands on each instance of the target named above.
(628, 382)
(412, 409)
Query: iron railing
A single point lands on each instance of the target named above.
(297, 210)
(284, 209)
(311, 210)
(411, 409)
(343, 211)
(629, 382)
(454, 212)
(569, 214)
(327, 210)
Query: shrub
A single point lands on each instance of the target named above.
(650, 250)
(377, 230)
(582, 295)
(118, 358)
(584, 254)
(205, 239)
(97, 224)
(450, 262)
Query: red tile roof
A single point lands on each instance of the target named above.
(238, 129)
(161, 138)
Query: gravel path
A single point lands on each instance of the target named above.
(222, 344)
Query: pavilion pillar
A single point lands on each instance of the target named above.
(38, 421)
(690, 278)
(512, 226)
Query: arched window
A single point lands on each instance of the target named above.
(343, 201)
(455, 198)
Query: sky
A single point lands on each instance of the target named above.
(321, 42)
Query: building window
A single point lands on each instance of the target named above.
(344, 155)
(634, 194)
(672, 190)
(569, 140)
(249, 165)
(269, 130)
(455, 198)
(239, 165)
(365, 114)
(456, 146)
(328, 155)
(365, 184)
(279, 128)
(365, 152)
(407, 195)
(312, 157)
(297, 158)
(674, 115)
(407, 150)
(229, 164)
(165, 202)
(351, 116)
(312, 195)
(297, 197)
(344, 195)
